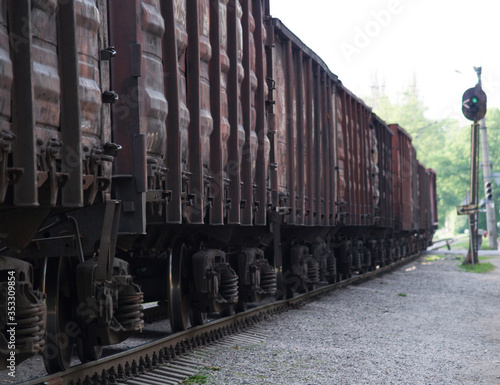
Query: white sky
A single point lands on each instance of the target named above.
(391, 40)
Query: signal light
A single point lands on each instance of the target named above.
(488, 191)
(474, 103)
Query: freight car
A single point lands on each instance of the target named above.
(190, 152)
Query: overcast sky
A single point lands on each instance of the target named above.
(388, 41)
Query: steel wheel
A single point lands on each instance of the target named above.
(241, 306)
(60, 302)
(86, 352)
(198, 317)
(178, 288)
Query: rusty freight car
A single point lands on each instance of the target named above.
(194, 153)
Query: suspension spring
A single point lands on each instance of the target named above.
(383, 255)
(331, 265)
(30, 329)
(313, 271)
(129, 312)
(367, 257)
(268, 281)
(356, 260)
(229, 286)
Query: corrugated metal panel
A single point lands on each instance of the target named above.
(248, 90)
(309, 148)
(201, 124)
(342, 164)
(317, 144)
(332, 188)
(304, 132)
(262, 162)
(91, 33)
(218, 140)
(383, 194)
(6, 79)
(433, 198)
(174, 56)
(289, 127)
(139, 115)
(402, 158)
(424, 198)
(355, 163)
(301, 145)
(237, 136)
(415, 189)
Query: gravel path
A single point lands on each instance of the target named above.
(427, 323)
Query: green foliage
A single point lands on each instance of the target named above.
(195, 379)
(442, 145)
(433, 258)
(403, 295)
(478, 268)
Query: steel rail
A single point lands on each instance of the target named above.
(142, 359)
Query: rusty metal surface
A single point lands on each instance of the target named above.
(433, 198)
(174, 49)
(355, 160)
(382, 173)
(218, 140)
(71, 109)
(424, 202)
(237, 133)
(261, 129)
(304, 132)
(137, 29)
(6, 79)
(402, 157)
(415, 190)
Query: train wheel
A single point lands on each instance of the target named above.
(228, 311)
(60, 302)
(241, 306)
(198, 317)
(178, 288)
(86, 352)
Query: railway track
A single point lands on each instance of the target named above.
(170, 359)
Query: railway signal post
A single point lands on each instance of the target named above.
(491, 225)
(473, 108)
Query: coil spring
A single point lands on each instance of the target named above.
(268, 281)
(376, 255)
(356, 260)
(228, 288)
(367, 257)
(331, 265)
(129, 312)
(30, 328)
(312, 271)
(383, 255)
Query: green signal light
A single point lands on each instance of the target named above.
(474, 99)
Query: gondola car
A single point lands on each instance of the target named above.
(193, 153)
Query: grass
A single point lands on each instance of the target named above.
(478, 268)
(432, 258)
(461, 245)
(403, 295)
(195, 379)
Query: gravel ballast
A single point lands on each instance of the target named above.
(426, 323)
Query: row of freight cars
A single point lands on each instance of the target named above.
(190, 152)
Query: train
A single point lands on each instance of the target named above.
(190, 153)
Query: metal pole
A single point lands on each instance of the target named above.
(472, 256)
(491, 223)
